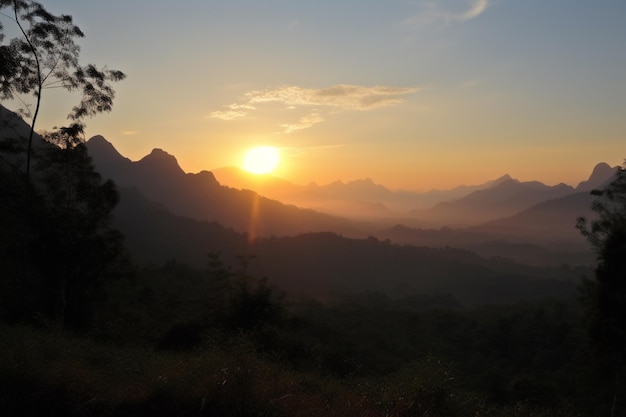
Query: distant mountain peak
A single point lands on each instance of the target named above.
(101, 144)
(98, 139)
(600, 175)
(159, 159)
(159, 153)
(104, 150)
(506, 178)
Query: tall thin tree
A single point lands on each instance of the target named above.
(45, 54)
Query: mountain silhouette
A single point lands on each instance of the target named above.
(166, 214)
(551, 220)
(599, 178)
(14, 133)
(323, 265)
(504, 197)
(361, 198)
(200, 196)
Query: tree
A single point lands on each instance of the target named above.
(605, 295)
(46, 55)
(81, 249)
(64, 220)
(62, 246)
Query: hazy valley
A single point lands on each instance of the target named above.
(527, 222)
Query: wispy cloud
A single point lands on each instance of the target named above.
(227, 114)
(130, 132)
(303, 123)
(342, 96)
(476, 10)
(336, 98)
(446, 11)
(235, 111)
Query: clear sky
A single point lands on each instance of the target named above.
(414, 94)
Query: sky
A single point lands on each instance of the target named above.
(414, 94)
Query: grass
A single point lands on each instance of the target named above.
(52, 373)
(44, 372)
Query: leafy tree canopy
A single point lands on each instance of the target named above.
(605, 295)
(45, 54)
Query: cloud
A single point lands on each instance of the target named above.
(446, 11)
(130, 132)
(476, 10)
(341, 97)
(235, 111)
(303, 123)
(227, 114)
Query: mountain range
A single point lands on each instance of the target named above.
(362, 198)
(166, 213)
(503, 210)
(528, 222)
(463, 206)
(199, 196)
(325, 265)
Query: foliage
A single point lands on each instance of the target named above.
(81, 249)
(57, 245)
(236, 376)
(46, 55)
(605, 294)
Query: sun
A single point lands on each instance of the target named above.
(261, 160)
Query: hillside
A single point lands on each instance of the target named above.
(326, 265)
(200, 196)
(503, 199)
(362, 198)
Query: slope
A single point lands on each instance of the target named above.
(159, 177)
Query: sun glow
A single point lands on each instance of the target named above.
(261, 160)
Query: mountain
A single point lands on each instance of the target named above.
(361, 198)
(325, 265)
(504, 197)
(549, 221)
(166, 214)
(544, 249)
(200, 196)
(153, 234)
(599, 178)
(358, 199)
(14, 133)
(266, 185)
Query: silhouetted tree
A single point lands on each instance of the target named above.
(59, 239)
(253, 302)
(45, 54)
(605, 294)
(81, 248)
